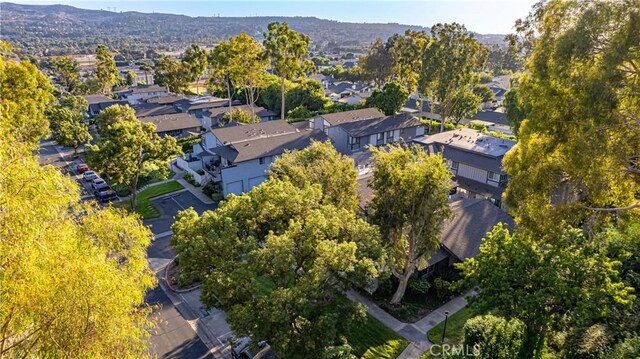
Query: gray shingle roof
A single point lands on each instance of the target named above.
(377, 125)
(168, 99)
(96, 98)
(171, 122)
(234, 134)
(491, 116)
(350, 116)
(153, 109)
(147, 88)
(472, 219)
(268, 146)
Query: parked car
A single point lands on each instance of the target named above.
(89, 176)
(243, 348)
(97, 183)
(82, 168)
(105, 193)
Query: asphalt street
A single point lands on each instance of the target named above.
(173, 337)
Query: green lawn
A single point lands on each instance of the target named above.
(145, 208)
(455, 327)
(372, 340)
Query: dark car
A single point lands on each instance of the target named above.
(104, 193)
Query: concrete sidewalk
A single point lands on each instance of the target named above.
(196, 191)
(416, 333)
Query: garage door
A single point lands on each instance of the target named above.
(234, 187)
(256, 181)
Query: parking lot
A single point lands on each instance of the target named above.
(169, 205)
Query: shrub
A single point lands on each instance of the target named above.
(212, 188)
(445, 289)
(418, 285)
(494, 337)
(200, 172)
(189, 178)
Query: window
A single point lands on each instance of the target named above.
(389, 136)
(355, 143)
(495, 177)
(453, 165)
(380, 138)
(262, 160)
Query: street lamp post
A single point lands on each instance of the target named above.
(444, 330)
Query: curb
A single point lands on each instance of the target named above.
(168, 284)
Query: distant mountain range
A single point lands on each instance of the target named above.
(63, 29)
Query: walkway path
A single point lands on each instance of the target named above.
(196, 191)
(416, 332)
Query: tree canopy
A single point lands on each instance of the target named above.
(390, 99)
(279, 260)
(73, 275)
(410, 204)
(320, 164)
(286, 49)
(172, 74)
(126, 147)
(106, 72)
(449, 67)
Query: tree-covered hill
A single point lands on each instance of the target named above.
(62, 29)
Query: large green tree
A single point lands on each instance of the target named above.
(172, 74)
(67, 73)
(566, 281)
(449, 68)
(378, 64)
(249, 64)
(106, 72)
(320, 164)
(127, 147)
(20, 81)
(221, 62)
(279, 260)
(73, 276)
(287, 51)
(578, 156)
(407, 53)
(390, 99)
(195, 61)
(68, 126)
(410, 204)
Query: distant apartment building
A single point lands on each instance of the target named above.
(475, 159)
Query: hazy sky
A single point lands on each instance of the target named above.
(483, 16)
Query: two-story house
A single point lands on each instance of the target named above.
(353, 131)
(239, 156)
(475, 159)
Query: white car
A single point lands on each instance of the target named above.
(89, 176)
(98, 182)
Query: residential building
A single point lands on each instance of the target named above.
(136, 94)
(463, 233)
(356, 97)
(475, 159)
(213, 116)
(177, 124)
(97, 103)
(352, 131)
(239, 156)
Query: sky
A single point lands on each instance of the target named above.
(482, 16)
